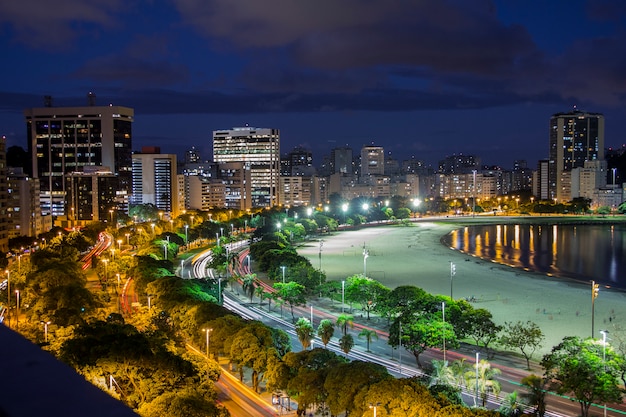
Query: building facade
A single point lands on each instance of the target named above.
(575, 137)
(155, 180)
(259, 150)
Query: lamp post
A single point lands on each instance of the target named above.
(152, 225)
(45, 330)
(366, 254)
(219, 290)
(452, 274)
(343, 294)
(164, 250)
(8, 295)
(127, 239)
(400, 345)
(283, 268)
(149, 302)
(17, 317)
(232, 229)
(249, 266)
(208, 340)
(476, 381)
(119, 245)
(374, 406)
(321, 244)
(245, 226)
(595, 289)
(443, 330)
(186, 234)
(106, 262)
(344, 208)
(604, 333)
(217, 239)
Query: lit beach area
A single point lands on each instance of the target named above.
(414, 255)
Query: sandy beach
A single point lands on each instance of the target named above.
(414, 255)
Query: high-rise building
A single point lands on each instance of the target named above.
(4, 220)
(575, 137)
(459, 164)
(341, 160)
(155, 180)
(62, 140)
(91, 196)
(298, 162)
(259, 150)
(372, 161)
(23, 208)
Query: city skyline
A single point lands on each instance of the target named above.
(422, 79)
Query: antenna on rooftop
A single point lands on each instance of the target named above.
(91, 99)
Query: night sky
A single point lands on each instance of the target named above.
(421, 78)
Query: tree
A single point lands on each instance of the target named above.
(420, 333)
(485, 383)
(305, 332)
(251, 347)
(536, 395)
(365, 291)
(369, 335)
(325, 331)
(346, 343)
(291, 293)
(526, 337)
(442, 374)
(344, 381)
(343, 321)
(249, 284)
(576, 367)
(511, 406)
(481, 327)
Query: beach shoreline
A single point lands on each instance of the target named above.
(415, 255)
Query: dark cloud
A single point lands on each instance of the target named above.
(131, 71)
(45, 23)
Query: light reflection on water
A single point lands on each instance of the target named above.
(582, 252)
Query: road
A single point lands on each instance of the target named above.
(381, 352)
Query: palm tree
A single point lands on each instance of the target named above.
(304, 330)
(485, 382)
(343, 321)
(536, 393)
(325, 331)
(442, 374)
(368, 334)
(511, 407)
(260, 292)
(346, 343)
(248, 284)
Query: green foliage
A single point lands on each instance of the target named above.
(368, 335)
(525, 337)
(420, 333)
(365, 291)
(344, 381)
(251, 347)
(325, 331)
(305, 332)
(143, 212)
(292, 293)
(346, 343)
(536, 393)
(485, 383)
(186, 403)
(344, 321)
(577, 368)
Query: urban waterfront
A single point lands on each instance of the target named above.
(580, 252)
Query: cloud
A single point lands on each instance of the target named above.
(45, 23)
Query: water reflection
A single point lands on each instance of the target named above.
(595, 252)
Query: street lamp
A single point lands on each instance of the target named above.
(452, 274)
(283, 268)
(207, 331)
(366, 255)
(164, 250)
(604, 333)
(128, 239)
(321, 244)
(249, 267)
(343, 294)
(45, 330)
(595, 289)
(17, 318)
(186, 234)
(152, 224)
(217, 239)
(374, 406)
(232, 229)
(119, 244)
(474, 193)
(8, 294)
(344, 208)
(476, 381)
(443, 329)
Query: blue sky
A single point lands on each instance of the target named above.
(421, 78)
